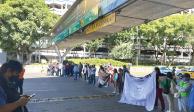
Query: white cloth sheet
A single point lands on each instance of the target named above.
(140, 91)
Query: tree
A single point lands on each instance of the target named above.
(2, 1)
(94, 45)
(160, 34)
(190, 41)
(123, 51)
(171, 30)
(124, 36)
(23, 22)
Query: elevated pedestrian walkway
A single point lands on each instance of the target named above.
(90, 19)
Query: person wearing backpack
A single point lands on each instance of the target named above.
(168, 89)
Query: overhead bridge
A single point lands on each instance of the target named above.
(90, 19)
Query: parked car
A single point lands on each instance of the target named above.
(164, 70)
(191, 72)
(181, 69)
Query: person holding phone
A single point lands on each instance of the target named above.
(10, 99)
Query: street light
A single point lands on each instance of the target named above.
(138, 47)
(164, 45)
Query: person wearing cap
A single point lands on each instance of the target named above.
(184, 88)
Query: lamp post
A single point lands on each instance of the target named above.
(138, 47)
(164, 45)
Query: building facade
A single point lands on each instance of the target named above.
(59, 7)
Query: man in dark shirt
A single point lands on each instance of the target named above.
(10, 100)
(159, 95)
(2, 97)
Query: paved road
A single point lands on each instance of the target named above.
(66, 95)
(56, 94)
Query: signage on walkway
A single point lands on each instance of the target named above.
(107, 6)
(74, 27)
(86, 12)
(61, 36)
(105, 21)
(90, 16)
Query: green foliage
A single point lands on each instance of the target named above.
(98, 62)
(123, 51)
(124, 36)
(23, 22)
(174, 28)
(2, 1)
(94, 45)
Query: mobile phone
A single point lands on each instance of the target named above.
(32, 95)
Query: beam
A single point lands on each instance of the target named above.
(156, 2)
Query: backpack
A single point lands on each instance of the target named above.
(166, 84)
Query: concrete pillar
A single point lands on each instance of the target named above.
(84, 51)
(58, 53)
(66, 6)
(39, 57)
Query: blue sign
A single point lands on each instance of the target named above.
(107, 6)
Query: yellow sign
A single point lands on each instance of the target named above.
(107, 20)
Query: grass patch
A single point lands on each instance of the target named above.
(97, 62)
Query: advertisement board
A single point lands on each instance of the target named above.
(107, 20)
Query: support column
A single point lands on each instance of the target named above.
(84, 51)
(38, 56)
(58, 53)
(66, 52)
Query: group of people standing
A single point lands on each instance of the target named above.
(104, 77)
(54, 69)
(173, 86)
(170, 85)
(70, 69)
(108, 75)
(89, 73)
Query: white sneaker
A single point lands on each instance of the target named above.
(114, 92)
(106, 86)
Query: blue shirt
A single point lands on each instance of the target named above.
(2, 97)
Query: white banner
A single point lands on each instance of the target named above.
(140, 91)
